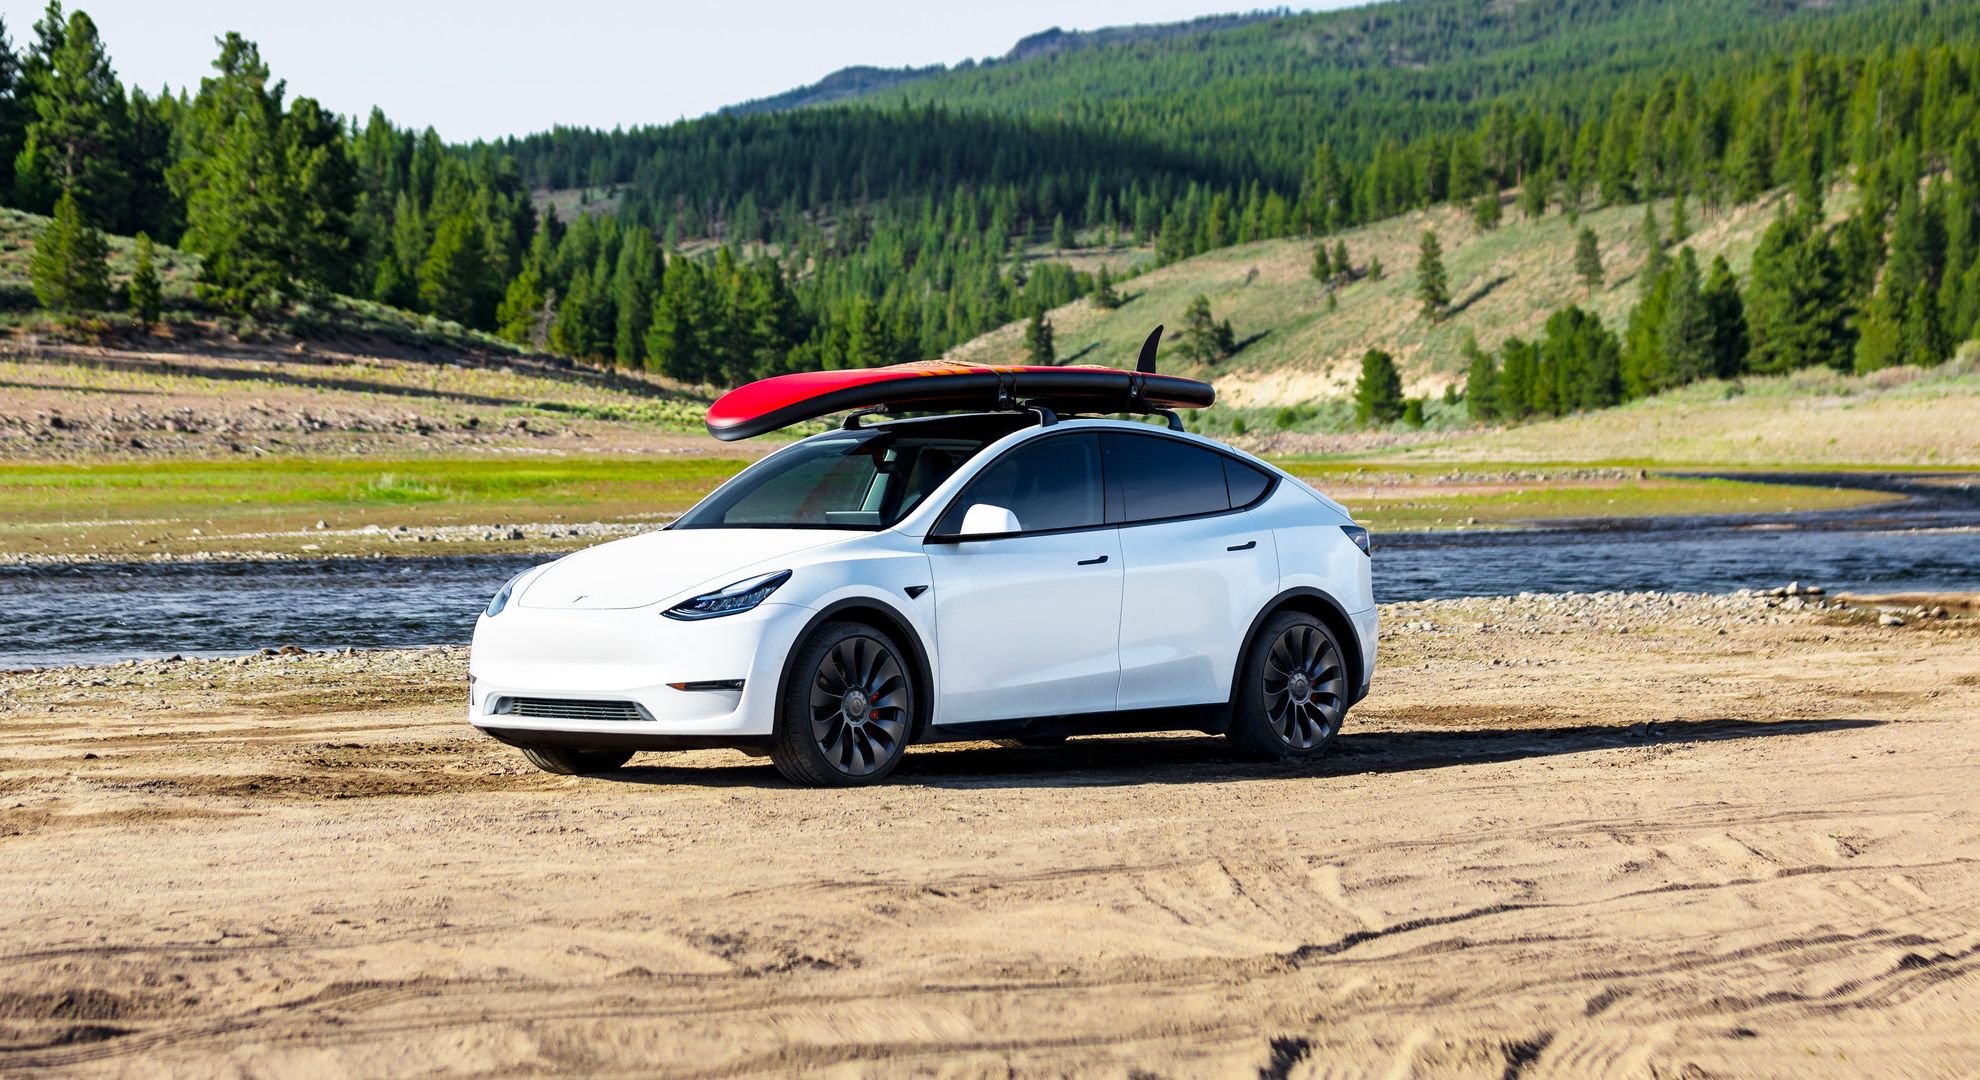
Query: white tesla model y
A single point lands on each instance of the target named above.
(1004, 574)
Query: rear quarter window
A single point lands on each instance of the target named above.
(1246, 483)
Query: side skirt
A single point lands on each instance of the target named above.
(1210, 719)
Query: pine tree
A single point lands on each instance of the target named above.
(1680, 221)
(1378, 392)
(1486, 211)
(144, 290)
(633, 288)
(1588, 258)
(1062, 237)
(1581, 361)
(70, 265)
(1796, 309)
(1534, 194)
(1517, 379)
(1038, 346)
(1643, 364)
(1105, 297)
(1204, 339)
(869, 340)
(317, 185)
(1728, 315)
(1922, 338)
(1687, 333)
(517, 316)
(1481, 381)
(15, 109)
(1374, 268)
(1654, 259)
(676, 342)
(1902, 323)
(1343, 266)
(1432, 286)
(768, 318)
(229, 173)
(1412, 414)
(1323, 266)
(454, 281)
(74, 140)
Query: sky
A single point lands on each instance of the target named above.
(487, 68)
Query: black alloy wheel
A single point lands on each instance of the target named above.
(1294, 694)
(848, 709)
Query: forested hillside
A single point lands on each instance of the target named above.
(896, 226)
(861, 81)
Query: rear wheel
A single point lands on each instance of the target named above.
(566, 761)
(1293, 694)
(847, 709)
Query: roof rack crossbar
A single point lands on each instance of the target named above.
(851, 422)
(1046, 417)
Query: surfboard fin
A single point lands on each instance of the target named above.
(1146, 363)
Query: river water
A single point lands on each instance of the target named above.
(106, 612)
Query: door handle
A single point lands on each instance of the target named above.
(1095, 561)
(1246, 546)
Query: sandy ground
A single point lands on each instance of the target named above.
(1639, 836)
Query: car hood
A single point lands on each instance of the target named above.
(656, 566)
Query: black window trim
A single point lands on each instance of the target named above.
(1272, 481)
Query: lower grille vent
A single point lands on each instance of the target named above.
(569, 709)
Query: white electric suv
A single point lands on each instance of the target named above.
(999, 575)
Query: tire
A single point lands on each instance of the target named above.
(565, 761)
(843, 669)
(1293, 692)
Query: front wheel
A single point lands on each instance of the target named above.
(565, 761)
(847, 709)
(1293, 693)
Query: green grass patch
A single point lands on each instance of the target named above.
(1423, 505)
(240, 494)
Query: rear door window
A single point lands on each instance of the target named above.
(1158, 477)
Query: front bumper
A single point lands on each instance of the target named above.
(591, 677)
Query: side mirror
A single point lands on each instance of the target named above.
(984, 519)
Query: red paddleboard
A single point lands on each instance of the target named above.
(936, 385)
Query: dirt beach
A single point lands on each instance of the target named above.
(1646, 835)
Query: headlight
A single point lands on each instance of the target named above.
(501, 600)
(1360, 537)
(741, 596)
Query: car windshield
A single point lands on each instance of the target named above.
(861, 480)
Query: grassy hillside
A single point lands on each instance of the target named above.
(1288, 385)
(335, 376)
(1503, 282)
(1928, 417)
(188, 320)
